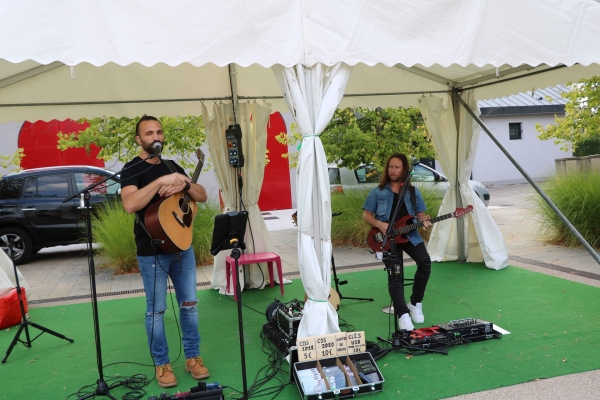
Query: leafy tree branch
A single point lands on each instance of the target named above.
(582, 118)
(116, 138)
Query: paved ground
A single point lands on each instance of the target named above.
(60, 275)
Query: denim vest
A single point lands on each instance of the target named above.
(379, 202)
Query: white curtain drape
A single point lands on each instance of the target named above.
(483, 240)
(312, 95)
(252, 119)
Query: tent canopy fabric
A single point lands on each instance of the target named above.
(80, 59)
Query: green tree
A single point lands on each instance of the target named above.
(363, 136)
(12, 162)
(116, 138)
(582, 119)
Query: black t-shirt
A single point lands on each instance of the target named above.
(403, 211)
(139, 176)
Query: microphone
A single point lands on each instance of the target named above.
(157, 149)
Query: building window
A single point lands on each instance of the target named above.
(515, 131)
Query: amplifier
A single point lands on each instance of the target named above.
(468, 327)
(288, 320)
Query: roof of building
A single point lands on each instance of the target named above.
(542, 101)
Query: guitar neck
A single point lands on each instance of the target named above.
(411, 227)
(195, 176)
(197, 171)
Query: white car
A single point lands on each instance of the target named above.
(367, 177)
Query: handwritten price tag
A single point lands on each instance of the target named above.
(307, 349)
(356, 342)
(333, 345)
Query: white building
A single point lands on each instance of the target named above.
(512, 121)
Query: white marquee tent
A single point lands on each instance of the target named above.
(73, 59)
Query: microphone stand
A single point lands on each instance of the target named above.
(24, 321)
(102, 389)
(394, 265)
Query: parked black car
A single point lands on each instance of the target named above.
(32, 211)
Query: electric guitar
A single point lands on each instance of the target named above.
(375, 237)
(170, 220)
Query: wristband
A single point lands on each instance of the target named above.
(187, 187)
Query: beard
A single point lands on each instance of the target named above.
(149, 147)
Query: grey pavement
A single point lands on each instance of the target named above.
(60, 275)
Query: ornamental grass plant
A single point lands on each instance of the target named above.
(349, 229)
(113, 231)
(577, 196)
(203, 229)
(112, 228)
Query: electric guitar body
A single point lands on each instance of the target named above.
(376, 238)
(171, 220)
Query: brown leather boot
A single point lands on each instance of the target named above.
(165, 376)
(196, 367)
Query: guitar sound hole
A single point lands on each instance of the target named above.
(184, 206)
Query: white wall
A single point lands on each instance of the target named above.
(535, 156)
(9, 134)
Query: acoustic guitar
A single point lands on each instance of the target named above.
(375, 237)
(170, 220)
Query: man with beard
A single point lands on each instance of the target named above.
(378, 208)
(144, 183)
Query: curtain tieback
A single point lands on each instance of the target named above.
(318, 301)
(304, 137)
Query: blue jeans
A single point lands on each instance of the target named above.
(181, 268)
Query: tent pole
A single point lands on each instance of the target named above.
(234, 90)
(460, 228)
(585, 244)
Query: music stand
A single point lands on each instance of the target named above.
(24, 321)
(228, 233)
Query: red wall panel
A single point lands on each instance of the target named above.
(276, 193)
(39, 141)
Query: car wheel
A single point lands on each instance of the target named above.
(22, 245)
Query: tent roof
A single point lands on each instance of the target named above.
(159, 57)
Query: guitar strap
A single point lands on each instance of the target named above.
(413, 198)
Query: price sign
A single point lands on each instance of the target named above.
(341, 348)
(333, 345)
(356, 342)
(326, 346)
(307, 349)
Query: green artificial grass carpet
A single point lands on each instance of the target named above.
(554, 325)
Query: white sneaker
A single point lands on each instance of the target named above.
(285, 281)
(405, 322)
(416, 312)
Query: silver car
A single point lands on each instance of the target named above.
(367, 177)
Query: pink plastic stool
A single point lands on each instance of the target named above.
(254, 258)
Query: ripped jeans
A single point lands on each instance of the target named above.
(181, 268)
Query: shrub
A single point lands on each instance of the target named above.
(113, 230)
(349, 229)
(576, 195)
(588, 147)
(203, 228)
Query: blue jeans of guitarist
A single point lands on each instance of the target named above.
(181, 268)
